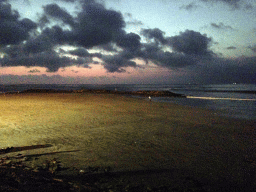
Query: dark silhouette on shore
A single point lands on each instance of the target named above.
(103, 91)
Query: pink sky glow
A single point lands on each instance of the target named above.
(96, 74)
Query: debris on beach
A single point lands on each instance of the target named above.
(16, 176)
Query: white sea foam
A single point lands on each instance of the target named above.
(220, 98)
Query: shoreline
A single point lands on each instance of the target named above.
(158, 96)
(103, 91)
(127, 134)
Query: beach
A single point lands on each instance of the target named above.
(129, 134)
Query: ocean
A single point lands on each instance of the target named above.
(231, 100)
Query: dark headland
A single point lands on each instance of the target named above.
(144, 93)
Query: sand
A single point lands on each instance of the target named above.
(128, 134)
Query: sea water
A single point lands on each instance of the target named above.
(232, 100)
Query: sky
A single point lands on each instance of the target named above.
(120, 41)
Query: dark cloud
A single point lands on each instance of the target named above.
(12, 51)
(253, 48)
(68, 1)
(231, 47)
(149, 49)
(58, 36)
(56, 12)
(249, 6)
(130, 41)
(221, 26)
(134, 22)
(12, 29)
(189, 7)
(51, 60)
(110, 47)
(191, 42)
(96, 62)
(117, 63)
(84, 58)
(93, 26)
(194, 48)
(153, 52)
(43, 21)
(155, 34)
(84, 62)
(167, 59)
(7, 13)
(96, 27)
(131, 20)
(81, 52)
(39, 44)
(219, 70)
(189, 49)
(233, 3)
(44, 42)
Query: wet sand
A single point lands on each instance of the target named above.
(128, 134)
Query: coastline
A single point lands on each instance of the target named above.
(235, 101)
(103, 91)
(127, 134)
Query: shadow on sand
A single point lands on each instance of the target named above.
(99, 179)
(16, 149)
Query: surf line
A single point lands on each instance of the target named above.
(219, 98)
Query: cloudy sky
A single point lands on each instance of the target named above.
(120, 41)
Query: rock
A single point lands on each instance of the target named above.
(7, 162)
(19, 155)
(25, 159)
(59, 180)
(6, 150)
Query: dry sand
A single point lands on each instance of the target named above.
(128, 134)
